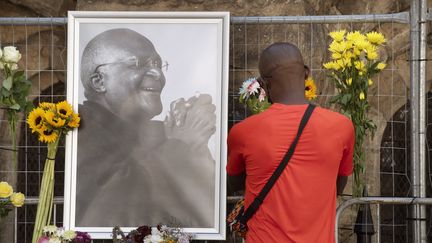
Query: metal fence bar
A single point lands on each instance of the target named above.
(378, 200)
(423, 119)
(415, 107)
(402, 17)
(379, 221)
(418, 117)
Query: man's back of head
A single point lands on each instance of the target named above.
(282, 68)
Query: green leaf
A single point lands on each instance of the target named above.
(15, 106)
(7, 83)
(19, 74)
(345, 99)
(28, 107)
(5, 92)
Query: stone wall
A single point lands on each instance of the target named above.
(46, 49)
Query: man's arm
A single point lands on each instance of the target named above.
(237, 182)
(340, 184)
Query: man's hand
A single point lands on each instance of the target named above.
(340, 184)
(237, 183)
(192, 121)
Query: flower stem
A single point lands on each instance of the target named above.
(44, 209)
(12, 120)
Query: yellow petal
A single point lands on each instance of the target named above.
(376, 37)
(381, 66)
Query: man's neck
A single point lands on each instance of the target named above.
(292, 99)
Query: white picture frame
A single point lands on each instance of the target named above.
(195, 45)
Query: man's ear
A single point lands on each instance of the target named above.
(97, 82)
(307, 71)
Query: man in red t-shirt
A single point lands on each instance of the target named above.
(301, 206)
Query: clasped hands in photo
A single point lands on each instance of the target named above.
(192, 121)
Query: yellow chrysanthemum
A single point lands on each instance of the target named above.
(53, 120)
(75, 121)
(370, 82)
(376, 37)
(35, 119)
(310, 89)
(372, 53)
(355, 36)
(347, 61)
(381, 66)
(64, 109)
(349, 54)
(362, 44)
(359, 65)
(341, 63)
(336, 55)
(356, 52)
(337, 35)
(339, 47)
(331, 65)
(361, 96)
(48, 136)
(47, 106)
(349, 81)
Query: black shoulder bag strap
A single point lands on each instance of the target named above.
(253, 207)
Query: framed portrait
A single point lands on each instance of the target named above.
(151, 90)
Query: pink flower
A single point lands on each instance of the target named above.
(44, 239)
(249, 87)
(262, 95)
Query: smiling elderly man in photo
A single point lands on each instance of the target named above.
(132, 170)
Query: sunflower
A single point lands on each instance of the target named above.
(64, 109)
(48, 136)
(54, 121)
(74, 123)
(310, 89)
(35, 119)
(47, 106)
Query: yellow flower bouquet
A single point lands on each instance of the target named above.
(9, 198)
(49, 121)
(354, 61)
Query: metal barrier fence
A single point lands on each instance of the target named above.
(248, 36)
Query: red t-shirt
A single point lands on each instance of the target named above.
(301, 206)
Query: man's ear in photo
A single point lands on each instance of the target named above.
(97, 82)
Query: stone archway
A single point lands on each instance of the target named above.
(395, 172)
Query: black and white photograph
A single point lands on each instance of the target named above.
(151, 92)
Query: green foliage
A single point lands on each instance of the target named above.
(255, 105)
(13, 98)
(5, 208)
(349, 101)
